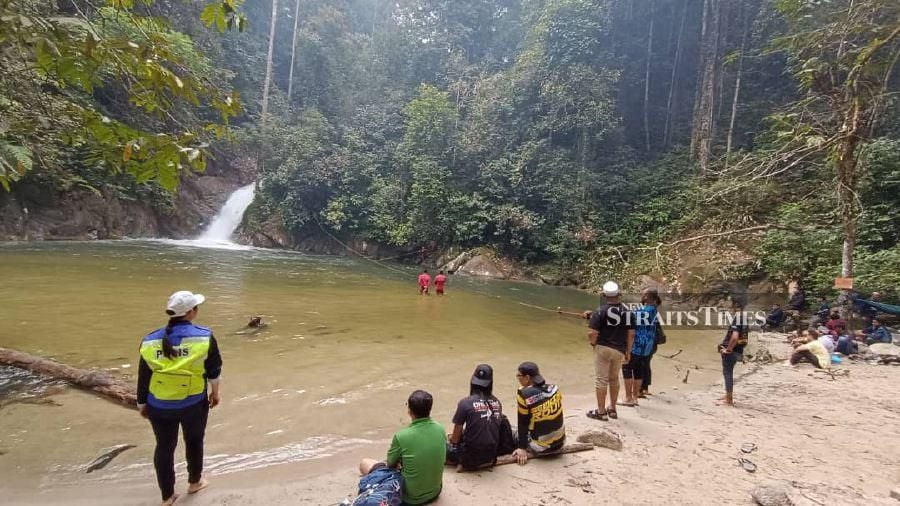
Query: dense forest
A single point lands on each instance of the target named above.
(596, 137)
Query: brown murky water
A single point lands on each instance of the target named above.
(347, 341)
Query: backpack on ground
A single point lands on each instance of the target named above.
(381, 487)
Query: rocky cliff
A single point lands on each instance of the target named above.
(34, 212)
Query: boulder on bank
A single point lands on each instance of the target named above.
(772, 494)
(454, 265)
(884, 350)
(602, 438)
(481, 265)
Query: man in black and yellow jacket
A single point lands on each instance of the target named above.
(541, 429)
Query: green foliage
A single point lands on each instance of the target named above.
(113, 84)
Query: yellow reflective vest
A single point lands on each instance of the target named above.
(179, 381)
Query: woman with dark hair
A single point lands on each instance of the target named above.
(644, 344)
(478, 424)
(732, 348)
(177, 362)
(659, 338)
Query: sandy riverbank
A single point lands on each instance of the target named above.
(830, 440)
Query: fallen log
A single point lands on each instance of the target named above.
(98, 382)
(570, 448)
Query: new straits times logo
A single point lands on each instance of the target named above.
(709, 317)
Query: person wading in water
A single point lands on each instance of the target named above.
(177, 362)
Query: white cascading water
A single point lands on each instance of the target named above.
(229, 217)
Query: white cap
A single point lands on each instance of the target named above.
(610, 289)
(182, 302)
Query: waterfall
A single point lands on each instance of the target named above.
(229, 217)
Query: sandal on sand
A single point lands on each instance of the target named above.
(748, 447)
(748, 466)
(193, 488)
(596, 414)
(612, 414)
(629, 404)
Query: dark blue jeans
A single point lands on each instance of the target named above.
(728, 363)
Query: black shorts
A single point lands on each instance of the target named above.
(634, 369)
(471, 458)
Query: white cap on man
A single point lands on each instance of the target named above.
(181, 302)
(611, 289)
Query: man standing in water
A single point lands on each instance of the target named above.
(612, 338)
(419, 451)
(439, 281)
(424, 282)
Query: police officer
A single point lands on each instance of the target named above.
(177, 362)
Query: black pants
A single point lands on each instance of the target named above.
(165, 422)
(645, 383)
(805, 356)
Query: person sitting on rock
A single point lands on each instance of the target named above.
(798, 300)
(775, 317)
(876, 333)
(835, 321)
(845, 342)
(823, 311)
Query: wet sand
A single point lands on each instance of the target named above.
(832, 441)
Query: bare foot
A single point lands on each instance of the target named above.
(193, 488)
(725, 402)
(170, 501)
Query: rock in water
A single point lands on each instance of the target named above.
(106, 456)
(771, 494)
(602, 439)
(481, 265)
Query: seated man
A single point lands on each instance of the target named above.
(541, 429)
(835, 321)
(823, 311)
(798, 300)
(775, 317)
(826, 339)
(418, 451)
(876, 333)
(478, 424)
(845, 343)
(813, 352)
(379, 485)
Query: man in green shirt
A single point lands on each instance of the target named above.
(419, 451)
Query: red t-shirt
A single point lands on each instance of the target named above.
(424, 280)
(439, 281)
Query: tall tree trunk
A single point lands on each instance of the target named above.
(847, 178)
(701, 140)
(672, 83)
(293, 52)
(268, 80)
(721, 47)
(737, 82)
(647, 82)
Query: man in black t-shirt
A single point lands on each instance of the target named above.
(612, 337)
(732, 348)
(477, 424)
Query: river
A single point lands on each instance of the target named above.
(347, 340)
